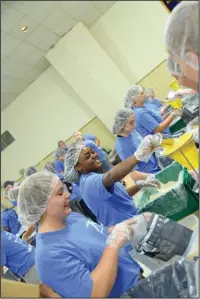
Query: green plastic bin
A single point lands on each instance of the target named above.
(180, 124)
(171, 204)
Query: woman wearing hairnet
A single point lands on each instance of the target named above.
(147, 121)
(128, 140)
(75, 256)
(29, 171)
(102, 192)
(181, 39)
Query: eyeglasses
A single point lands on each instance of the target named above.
(174, 67)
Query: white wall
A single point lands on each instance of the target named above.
(131, 32)
(82, 62)
(47, 111)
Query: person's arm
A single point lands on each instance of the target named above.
(118, 172)
(138, 175)
(1, 271)
(29, 232)
(162, 126)
(46, 292)
(105, 273)
(133, 190)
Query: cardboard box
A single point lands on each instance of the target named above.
(13, 289)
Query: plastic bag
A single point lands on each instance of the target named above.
(167, 204)
(175, 279)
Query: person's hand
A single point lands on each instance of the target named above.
(121, 234)
(149, 182)
(147, 146)
(176, 113)
(192, 123)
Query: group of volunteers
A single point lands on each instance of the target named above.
(72, 227)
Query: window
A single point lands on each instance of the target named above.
(6, 140)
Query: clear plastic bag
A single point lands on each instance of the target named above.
(176, 279)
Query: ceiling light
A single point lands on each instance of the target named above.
(24, 28)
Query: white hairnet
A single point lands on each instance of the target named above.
(13, 193)
(71, 159)
(6, 191)
(181, 30)
(29, 171)
(174, 68)
(59, 152)
(34, 194)
(121, 119)
(131, 95)
(49, 166)
(148, 92)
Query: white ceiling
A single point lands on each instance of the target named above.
(22, 53)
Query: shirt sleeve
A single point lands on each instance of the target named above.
(148, 122)
(4, 220)
(94, 185)
(125, 152)
(3, 253)
(72, 278)
(59, 167)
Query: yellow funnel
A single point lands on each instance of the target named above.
(176, 103)
(174, 85)
(184, 151)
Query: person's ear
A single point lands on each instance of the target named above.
(193, 60)
(78, 168)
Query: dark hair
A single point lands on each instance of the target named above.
(8, 183)
(59, 142)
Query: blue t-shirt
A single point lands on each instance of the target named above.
(9, 219)
(16, 254)
(155, 103)
(126, 147)
(59, 166)
(65, 259)
(146, 120)
(112, 205)
(75, 192)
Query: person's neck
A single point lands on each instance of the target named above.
(124, 134)
(140, 105)
(50, 224)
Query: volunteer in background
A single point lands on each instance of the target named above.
(19, 257)
(89, 137)
(102, 192)
(62, 145)
(74, 251)
(147, 121)
(182, 39)
(29, 171)
(9, 220)
(49, 166)
(128, 140)
(59, 162)
(152, 102)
